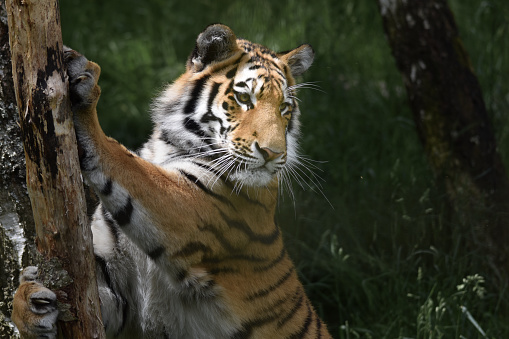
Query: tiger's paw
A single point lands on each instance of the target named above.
(35, 310)
(83, 76)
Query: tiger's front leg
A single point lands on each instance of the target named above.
(127, 184)
(106, 165)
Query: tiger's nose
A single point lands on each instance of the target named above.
(267, 153)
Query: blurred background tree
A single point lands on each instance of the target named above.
(389, 258)
(452, 121)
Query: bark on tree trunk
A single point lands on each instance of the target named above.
(451, 118)
(53, 173)
(16, 221)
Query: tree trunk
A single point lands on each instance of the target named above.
(16, 221)
(451, 119)
(52, 167)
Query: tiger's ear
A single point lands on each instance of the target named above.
(216, 43)
(298, 59)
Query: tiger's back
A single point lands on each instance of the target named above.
(184, 237)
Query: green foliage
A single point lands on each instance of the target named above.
(388, 259)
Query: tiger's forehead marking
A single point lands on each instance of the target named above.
(260, 70)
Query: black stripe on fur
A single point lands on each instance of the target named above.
(195, 94)
(124, 214)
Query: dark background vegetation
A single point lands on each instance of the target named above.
(381, 256)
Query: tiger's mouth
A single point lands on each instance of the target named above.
(244, 168)
(255, 164)
(255, 174)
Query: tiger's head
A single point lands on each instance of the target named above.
(236, 106)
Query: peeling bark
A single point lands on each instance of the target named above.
(52, 168)
(451, 118)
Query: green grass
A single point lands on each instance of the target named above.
(386, 260)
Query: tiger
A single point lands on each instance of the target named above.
(184, 236)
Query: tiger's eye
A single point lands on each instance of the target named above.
(244, 98)
(284, 106)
